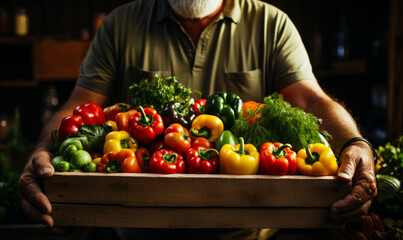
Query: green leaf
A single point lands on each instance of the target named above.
(92, 136)
(156, 93)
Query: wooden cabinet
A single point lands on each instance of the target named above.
(53, 59)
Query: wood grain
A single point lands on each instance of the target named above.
(194, 190)
(174, 217)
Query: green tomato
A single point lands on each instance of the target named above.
(74, 170)
(89, 167)
(70, 142)
(63, 166)
(80, 158)
(56, 160)
(69, 152)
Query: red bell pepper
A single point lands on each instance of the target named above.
(158, 145)
(200, 159)
(146, 125)
(143, 158)
(201, 141)
(198, 106)
(85, 114)
(167, 162)
(119, 161)
(177, 138)
(91, 113)
(69, 125)
(277, 159)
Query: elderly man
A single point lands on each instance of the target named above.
(243, 46)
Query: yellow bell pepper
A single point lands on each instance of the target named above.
(117, 140)
(112, 124)
(317, 159)
(241, 159)
(97, 160)
(206, 126)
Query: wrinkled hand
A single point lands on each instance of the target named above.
(357, 165)
(34, 203)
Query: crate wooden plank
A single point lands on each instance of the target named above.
(194, 190)
(176, 217)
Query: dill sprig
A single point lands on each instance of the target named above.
(278, 121)
(156, 93)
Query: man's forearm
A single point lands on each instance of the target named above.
(45, 139)
(336, 120)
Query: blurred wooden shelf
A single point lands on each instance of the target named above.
(18, 83)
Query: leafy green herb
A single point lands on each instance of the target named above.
(277, 121)
(391, 159)
(92, 136)
(158, 92)
(10, 204)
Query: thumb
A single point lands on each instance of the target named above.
(42, 165)
(347, 167)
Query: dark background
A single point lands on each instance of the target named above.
(358, 78)
(357, 26)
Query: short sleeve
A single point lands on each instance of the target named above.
(291, 61)
(98, 69)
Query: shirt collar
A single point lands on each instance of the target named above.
(231, 10)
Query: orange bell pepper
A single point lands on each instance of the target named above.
(122, 120)
(111, 111)
(123, 161)
(250, 107)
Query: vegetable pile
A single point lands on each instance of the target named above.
(163, 130)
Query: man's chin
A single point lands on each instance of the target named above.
(194, 9)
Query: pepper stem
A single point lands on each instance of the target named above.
(279, 152)
(203, 132)
(206, 154)
(125, 142)
(241, 150)
(170, 158)
(123, 107)
(311, 158)
(182, 108)
(112, 167)
(145, 121)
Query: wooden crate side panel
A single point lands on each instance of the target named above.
(160, 217)
(190, 190)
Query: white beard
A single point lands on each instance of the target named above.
(194, 9)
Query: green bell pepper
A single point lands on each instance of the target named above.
(226, 106)
(226, 138)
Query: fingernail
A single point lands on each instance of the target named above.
(45, 170)
(344, 175)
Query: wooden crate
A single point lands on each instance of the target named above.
(193, 200)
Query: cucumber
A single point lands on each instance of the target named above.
(388, 184)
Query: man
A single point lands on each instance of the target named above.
(243, 46)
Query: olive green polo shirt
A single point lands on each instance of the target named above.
(252, 49)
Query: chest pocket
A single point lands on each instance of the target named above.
(248, 85)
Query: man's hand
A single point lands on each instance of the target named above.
(357, 164)
(33, 201)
